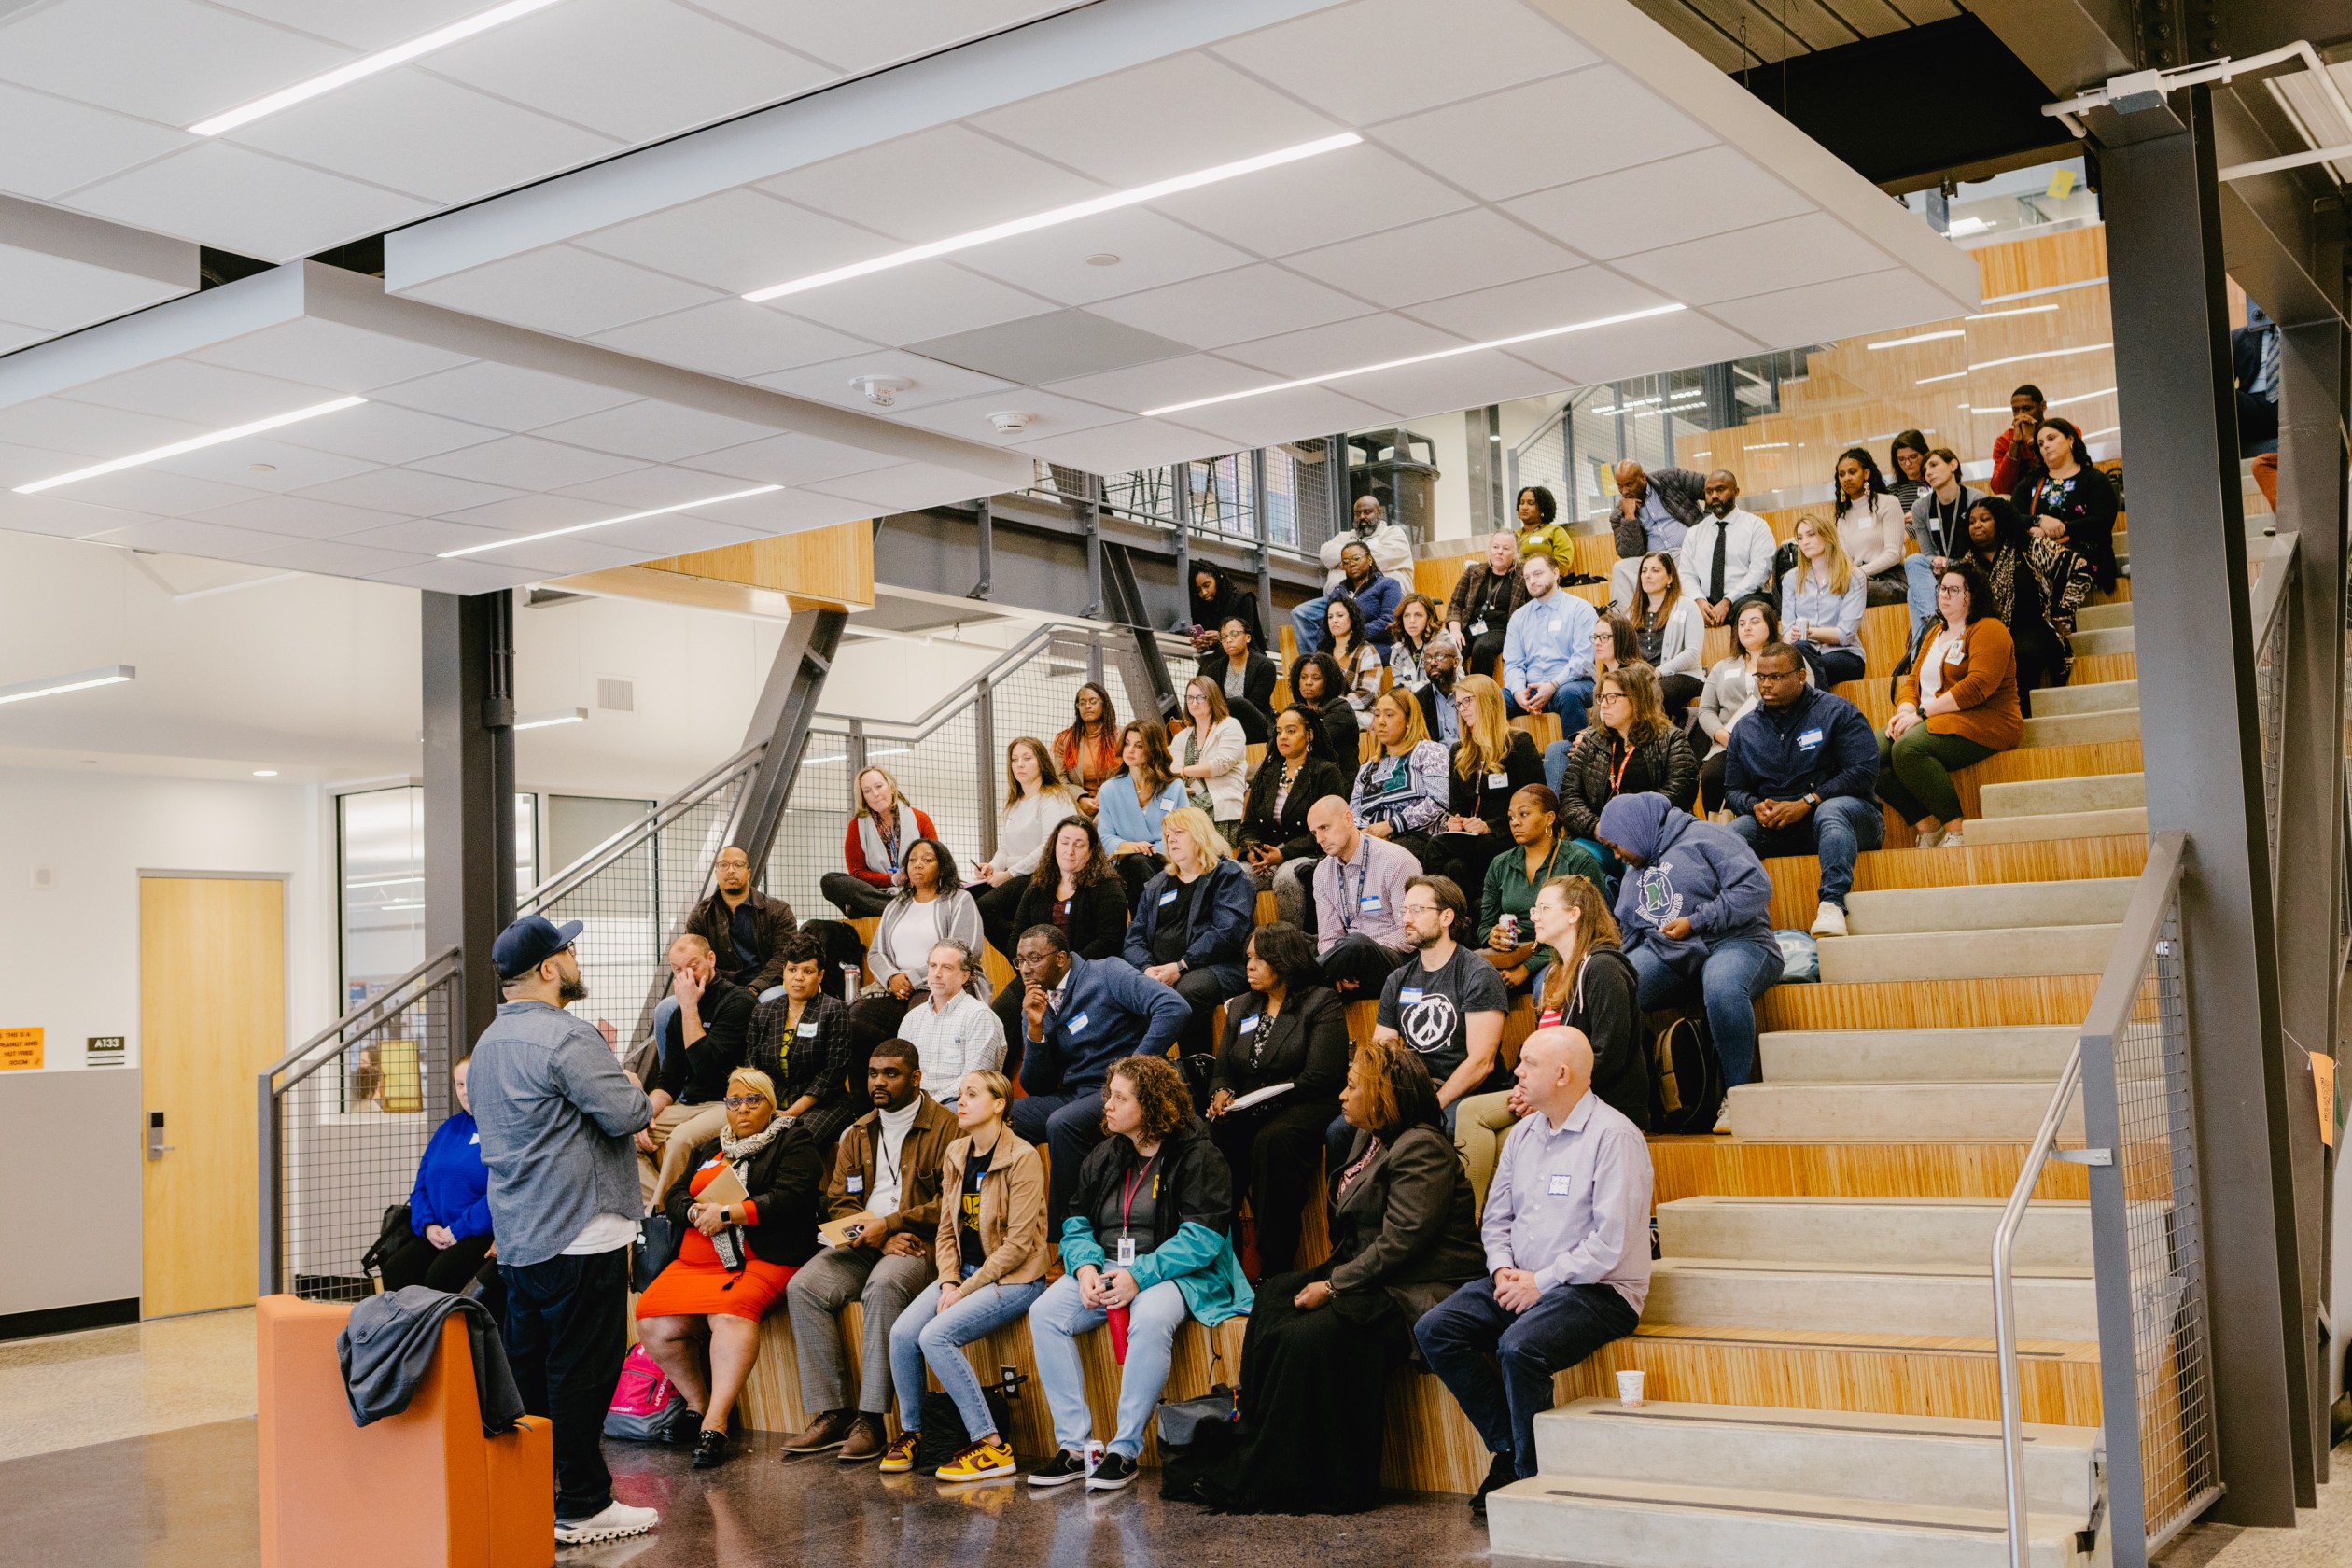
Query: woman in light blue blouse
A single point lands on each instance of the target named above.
(1132, 801)
(1820, 605)
(1402, 794)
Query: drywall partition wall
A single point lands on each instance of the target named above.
(69, 1190)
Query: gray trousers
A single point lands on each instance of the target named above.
(824, 1286)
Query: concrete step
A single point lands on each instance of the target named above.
(2083, 729)
(1609, 1522)
(2007, 953)
(2099, 617)
(1860, 1455)
(2104, 639)
(2099, 696)
(1985, 831)
(1886, 1298)
(2044, 797)
(1895, 1112)
(1946, 1233)
(1990, 906)
(1956, 1055)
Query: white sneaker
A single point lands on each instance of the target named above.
(1950, 840)
(1928, 838)
(617, 1520)
(1830, 920)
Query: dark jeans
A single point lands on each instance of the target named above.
(1731, 978)
(1204, 993)
(449, 1268)
(1257, 725)
(998, 907)
(1678, 692)
(1008, 1011)
(1831, 666)
(1838, 829)
(859, 901)
(1067, 1126)
(1567, 1324)
(1134, 871)
(1276, 1152)
(567, 1333)
(1356, 957)
(1711, 785)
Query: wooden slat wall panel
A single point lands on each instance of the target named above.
(1738, 1167)
(1796, 879)
(1922, 1004)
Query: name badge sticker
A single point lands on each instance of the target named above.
(475, 1139)
(1125, 1255)
(1477, 628)
(1410, 995)
(1168, 898)
(807, 1031)
(1563, 1185)
(1497, 781)
(1078, 1023)
(1250, 1024)
(856, 1183)
(1809, 739)
(1370, 903)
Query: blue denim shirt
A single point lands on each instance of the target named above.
(1550, 639)
(557, 1117)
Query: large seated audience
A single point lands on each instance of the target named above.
(1136, 1131)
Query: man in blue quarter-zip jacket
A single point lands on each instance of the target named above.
(1801, 771)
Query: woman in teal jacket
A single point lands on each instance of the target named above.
(1145, 1247)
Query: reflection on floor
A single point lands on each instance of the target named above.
(2322, 1536)
(71, 1389)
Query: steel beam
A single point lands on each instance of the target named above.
(781, 721)
(2189, 587)
(468, 824)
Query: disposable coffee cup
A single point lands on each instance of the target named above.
(1630, 1389)
(1093, 1453)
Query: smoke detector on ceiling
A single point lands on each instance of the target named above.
(1011, 422)
(881, 391)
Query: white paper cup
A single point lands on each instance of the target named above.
(1093, 1453)
(1629, 1389)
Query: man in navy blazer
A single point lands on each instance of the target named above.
(1078, 1016)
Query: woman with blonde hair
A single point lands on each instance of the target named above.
(1191, 929)
(1401, 793)
(1822, 603)
(1211, 759)
(1035, 800)
(875, 849)
(1492, 762)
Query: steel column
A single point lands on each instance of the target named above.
(780, 723)
(1264, 555)
(2312, 465)
(984, 744)
(1180, 507)
(984, 516)
(2189, 582)
(469, 824)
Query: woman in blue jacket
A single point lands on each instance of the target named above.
(1191, 931)
(1132, 800)
(1691, 916)
(449, 1209)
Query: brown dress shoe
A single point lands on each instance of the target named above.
(866, 1441)
(826, 1431)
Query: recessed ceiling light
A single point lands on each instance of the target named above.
(263, 468)
(367, 66)
(1102, 258)
(549, 721)
(1417, 358)
(2022, 310)
(265, 772)
(608, 522)
(1048, 219)
(1916, 338)
(194, 443)
(24, 691)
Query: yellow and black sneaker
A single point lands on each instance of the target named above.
(988, 1460)
(899, 1458)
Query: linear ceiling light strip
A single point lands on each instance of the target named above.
(608, 522)
(106, 675)
(194, 443)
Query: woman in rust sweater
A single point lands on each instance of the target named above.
(1956, 705)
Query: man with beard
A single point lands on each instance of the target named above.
(1441, 661)
(557, 1117)
(1728, 554)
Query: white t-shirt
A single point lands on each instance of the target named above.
(889, 1180)
(603, 1234)
(913, 937)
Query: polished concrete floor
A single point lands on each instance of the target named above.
(72, 1390)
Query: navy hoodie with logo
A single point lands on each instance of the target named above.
(1691, 870)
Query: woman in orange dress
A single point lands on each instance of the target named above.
(700, 1318)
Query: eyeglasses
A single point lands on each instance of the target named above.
(745, 1102)
(1612, 698)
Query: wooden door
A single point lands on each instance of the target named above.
(212, 1015)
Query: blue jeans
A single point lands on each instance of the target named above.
(1838, 829)
(1569, 700)
(1919, 591)
(1056, 1322)
(925, 1335)
(1306, 623)
(1567, 1324)
(1732, 977)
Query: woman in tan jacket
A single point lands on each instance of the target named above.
(1957, 706)
(991, 1258)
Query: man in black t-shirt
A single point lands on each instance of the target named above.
(1447, 1003)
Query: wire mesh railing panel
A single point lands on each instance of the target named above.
(349, 1131)
(2156, 1159)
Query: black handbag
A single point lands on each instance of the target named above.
(942, 1437)
(656, 1250)
(391, 1236)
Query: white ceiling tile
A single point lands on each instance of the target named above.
(48, 145)
(526, 463)
(1232, 307)
(504, 396)
(1539, 303)
(1118, 127)
(1377, 58)
(934, 185)
(1152, 250)
(732, 337)
(788, 459)
(903, 487)
(633, 69)
(562, 289)
(863, 37)
(410, 492)
(1844, 307)
(291, 468)
(933, 381)
(1770, 256)
(1429, 260)
(1315, 202)
(298, 516)
(81, 431)
(22, 464)
(1280, 417)
(784, 512)
(656, 432)
(1164, 381)
(431, 138)
(51, 513)
(150, 490)
(1318, 350)
(183, 536)
(452, 577)
(249, 202)
(679, 534)
(1659, 343)
(532, 514)
(1132, 443)
(736, 241)
(366, 25)
(644, 489)
(1546, 134)
(60, 293)
(173, 388)
(165, 59)
(1443, 385)
(1710, 191)
(425, 535)
(912, 304)
(15, 335)
(328, 353)
(382, 433)
(561, 557)
(1049, 415)
(330, 558)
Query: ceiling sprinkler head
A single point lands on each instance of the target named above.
(1011, 422)
(881, 391)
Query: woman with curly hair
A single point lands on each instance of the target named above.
(1316, 682)
(1627, 747)
(1145, 1246)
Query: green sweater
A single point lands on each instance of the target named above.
(1509, 892)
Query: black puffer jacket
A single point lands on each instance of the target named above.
(1663, 767)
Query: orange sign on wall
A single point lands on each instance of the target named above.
(20, 1049)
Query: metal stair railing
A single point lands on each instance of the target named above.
(2131, 1066)
(345, 1117)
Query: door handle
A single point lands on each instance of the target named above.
(155, 1147)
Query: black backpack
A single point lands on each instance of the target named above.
(943, 1436)
(1685, 1079)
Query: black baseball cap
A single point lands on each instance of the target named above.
(529, 942)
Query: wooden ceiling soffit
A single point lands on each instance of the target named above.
(817, 568)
